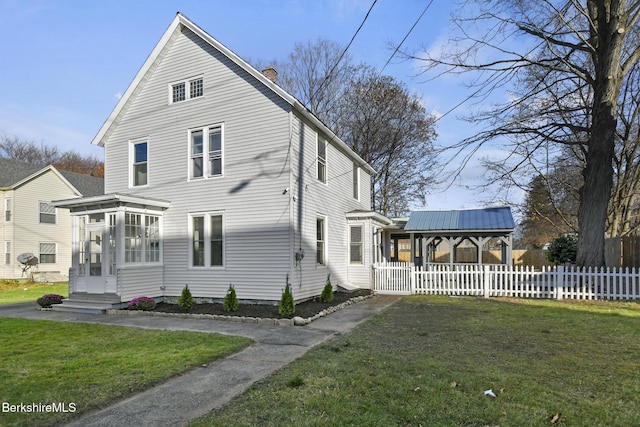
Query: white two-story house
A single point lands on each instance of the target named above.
(214, 175)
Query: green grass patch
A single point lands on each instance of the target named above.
(427, 361)
(92, 365)
(13, 291)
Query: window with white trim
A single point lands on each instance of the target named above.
(112, 244)
(186, 89)
(47, 253)
(141, 238)
(355, 244)
(206, 151)
(82, 241)
(139, 163)
(47, 213)
(321, 161)
(321, 241)
(7, 253)
(207, 240)
(356, 182)
(7, 210)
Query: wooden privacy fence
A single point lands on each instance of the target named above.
(496, 280)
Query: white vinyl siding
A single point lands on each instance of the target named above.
(206, 148)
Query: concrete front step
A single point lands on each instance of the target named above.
(82, 306)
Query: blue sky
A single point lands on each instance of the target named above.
(64, 62)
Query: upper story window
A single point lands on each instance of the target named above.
(356, 182)
(206, 151)
(47, 213)
(139, 156)
(7, 210)
(186, 89)
(322, 160)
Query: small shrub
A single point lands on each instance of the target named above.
(185, 302)
(46, 301)
(142, 303)
(230, 302)
(563, 249)
(287, 303)
(327, 292)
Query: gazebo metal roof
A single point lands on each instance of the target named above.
(498, 218)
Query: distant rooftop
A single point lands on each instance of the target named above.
(499, 218)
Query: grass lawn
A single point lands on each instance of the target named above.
(427, 361)
(12, 291)
(92, 365)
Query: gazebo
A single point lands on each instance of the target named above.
(426, 230)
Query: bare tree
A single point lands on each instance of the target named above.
(317, 73)
(30, 152)
(391, 130)
(566, 61)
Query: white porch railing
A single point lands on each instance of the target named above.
(507, 281)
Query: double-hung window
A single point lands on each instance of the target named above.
(321, 161)
(186, 89)
(355, 244)
(321, 241)
(47, 253)
(7, 210)
(356, 182)
(7, 253)
(207, 240)
(139, 163)
(47, 213)
(206, 151)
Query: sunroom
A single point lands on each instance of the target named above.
(117, 238)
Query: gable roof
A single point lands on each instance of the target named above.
(179, 22)
(14, 173)
(498, 218)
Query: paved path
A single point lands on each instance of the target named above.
(203, 389)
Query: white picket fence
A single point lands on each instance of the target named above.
(507, 281)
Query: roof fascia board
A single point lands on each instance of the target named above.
(151, 59)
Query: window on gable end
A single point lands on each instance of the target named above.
(186, 89)
(356, 182)
(206, 141)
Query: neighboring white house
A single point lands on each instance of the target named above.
(31, 224)
(214, 175)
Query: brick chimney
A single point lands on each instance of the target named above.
(271, 73)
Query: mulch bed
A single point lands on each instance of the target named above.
(305, 309)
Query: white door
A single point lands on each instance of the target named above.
(94, 257)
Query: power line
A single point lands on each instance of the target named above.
(344, 51)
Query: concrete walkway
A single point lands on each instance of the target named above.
(203, 389)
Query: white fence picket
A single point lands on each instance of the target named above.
(495, 280)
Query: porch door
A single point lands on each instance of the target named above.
(96, 283)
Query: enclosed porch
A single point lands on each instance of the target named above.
(116, 239)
